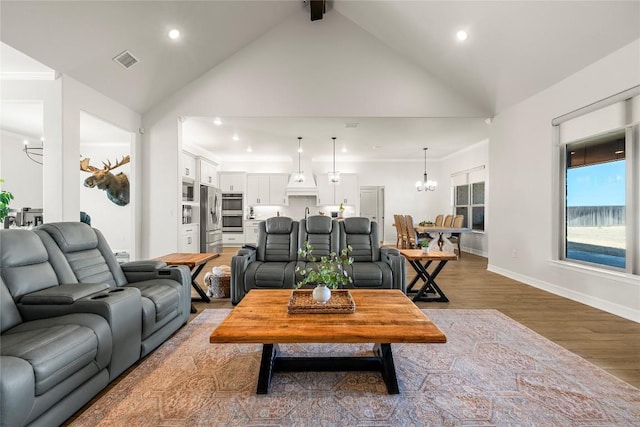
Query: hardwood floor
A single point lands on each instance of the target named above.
(606, 340)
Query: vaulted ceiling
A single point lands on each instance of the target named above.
(514, 49)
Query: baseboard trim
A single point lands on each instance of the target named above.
(599, 303)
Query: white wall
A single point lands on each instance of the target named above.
(22, 176)
(523, 188)
(76, 98)
(297, 69)
(475, 156)
(50, 94)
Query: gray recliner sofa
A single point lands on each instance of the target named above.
(64, 336)
(271, 265)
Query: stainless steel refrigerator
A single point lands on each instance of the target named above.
(210, 219)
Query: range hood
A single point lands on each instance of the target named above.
(306, 188)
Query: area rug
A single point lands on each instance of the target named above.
(492, 372)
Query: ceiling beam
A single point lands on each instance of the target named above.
(318, 8)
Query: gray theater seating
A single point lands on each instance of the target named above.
(67, 328)
(271, 265)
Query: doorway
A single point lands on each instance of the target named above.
(372, 206)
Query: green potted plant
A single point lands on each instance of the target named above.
(5, 198)
(328, 273)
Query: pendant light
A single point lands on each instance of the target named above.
(33, 151)
(425, 184)
(334, 176)
(299, 177)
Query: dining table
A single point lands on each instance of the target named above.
(440, 236)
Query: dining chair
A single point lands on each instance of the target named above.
(448, 221)
(439, 220)
(412, 238)
(406, 243)
(398, 225)
(458, 220)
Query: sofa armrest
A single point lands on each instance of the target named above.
(142, 266)
(179, 273)
(63, 294)
(396, 261)
(239, 264)
(17, 386)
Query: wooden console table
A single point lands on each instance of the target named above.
(196, 262)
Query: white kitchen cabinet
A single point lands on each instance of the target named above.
(325, 190)
(208, 172)
(257, 189)
(232, 239)
(232, 182)
(266, 189)
(278, 189)
(251, 232)
(188, 166)
(190, 238)
(346, 191)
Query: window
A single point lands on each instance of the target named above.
(596, 200)
(600, 183)
(469, 201)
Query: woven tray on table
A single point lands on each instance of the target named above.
(302, 301)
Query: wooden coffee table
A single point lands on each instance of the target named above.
(381, 317)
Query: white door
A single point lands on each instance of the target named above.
(372, 206)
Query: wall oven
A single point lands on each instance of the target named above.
(232, 213)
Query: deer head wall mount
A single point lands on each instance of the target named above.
(116, 186)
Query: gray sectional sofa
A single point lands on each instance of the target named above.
(72, 319)
(272, 263)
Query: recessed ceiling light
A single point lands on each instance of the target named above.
(235, 137)
(462, 35)
(344, 149)
(249, 150)
(174, 34)
(217, 121)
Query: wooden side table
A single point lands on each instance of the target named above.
(196, 262)
(415, 256)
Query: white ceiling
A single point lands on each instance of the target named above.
(357, 138)
(515, 49)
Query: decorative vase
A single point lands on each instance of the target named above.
(321, 294)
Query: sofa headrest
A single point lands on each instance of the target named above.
(357, 225)
(319, 224)
(21, 247)
(279, 225)
(72, 236)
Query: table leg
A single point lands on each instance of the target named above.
(199, 290)
(382, 362)
(269, 354)
(430, 285)
(419, 274)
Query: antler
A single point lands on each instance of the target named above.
(84, 166)
(108, 167)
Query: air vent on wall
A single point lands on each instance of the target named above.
(126, 59)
